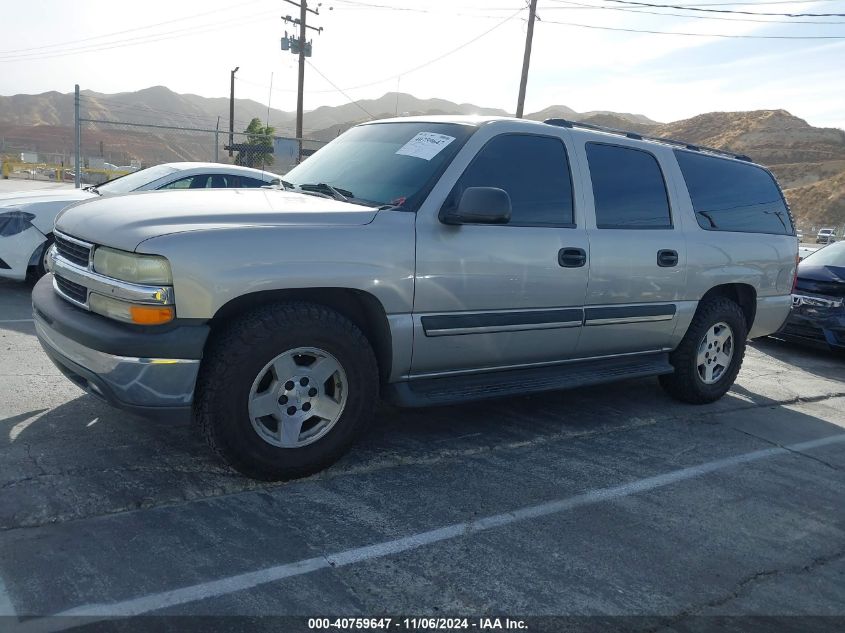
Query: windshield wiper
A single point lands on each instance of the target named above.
(323, 187)
(92, 188)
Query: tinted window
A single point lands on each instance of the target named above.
(628, 188)
(534, 170)
(250, 182)
(732, 196)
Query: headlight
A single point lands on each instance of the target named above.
(48, 258)
(130, 312)
(14, 222)
(131, 267)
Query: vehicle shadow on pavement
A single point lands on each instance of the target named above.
(85, 458)
(820, 362)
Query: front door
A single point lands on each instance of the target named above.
(497, 296)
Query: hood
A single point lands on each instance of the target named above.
(825, 280)
(126, 221)
(48, 198)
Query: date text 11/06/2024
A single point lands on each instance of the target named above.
(418, 624)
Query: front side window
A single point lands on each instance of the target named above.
(200, 181)
(628, 188)
(728, 195)
(383, 163)
(534, 170)
(136, 180)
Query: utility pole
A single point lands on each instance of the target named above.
(526, 58)
(303, 48)
(232, 110)
(77, 178)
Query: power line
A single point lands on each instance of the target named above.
(410, 70)
(132, 30)
(144, 39)
(754, 2)
(340, 90)
(439, 57)
(681, 15)
(692, 8)
(720, 35)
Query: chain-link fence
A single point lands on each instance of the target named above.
(108, 148)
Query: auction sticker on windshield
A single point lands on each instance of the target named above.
(425, 145)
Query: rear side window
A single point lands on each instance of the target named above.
(534, 170)
(628, 188)
(732, 196)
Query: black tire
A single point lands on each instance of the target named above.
(38, 270)
(236, 355)
(686, 384)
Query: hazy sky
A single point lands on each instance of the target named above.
(370, 47)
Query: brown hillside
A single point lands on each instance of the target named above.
(770, 137)
(820, 204)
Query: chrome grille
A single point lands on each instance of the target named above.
(71, 290)
(72, 250)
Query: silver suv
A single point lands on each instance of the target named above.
(430, 261)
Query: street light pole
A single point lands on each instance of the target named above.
(232, 110)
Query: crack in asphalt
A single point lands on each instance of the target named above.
(743, 586)
(786, 448)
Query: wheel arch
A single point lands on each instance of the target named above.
(360, 307)
(744, 295)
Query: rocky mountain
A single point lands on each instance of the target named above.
(808, 161)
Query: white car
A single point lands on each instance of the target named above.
(26, 217)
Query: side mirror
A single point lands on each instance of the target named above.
(480, 205)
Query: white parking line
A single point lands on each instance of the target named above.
(240, 582)
(6, 606)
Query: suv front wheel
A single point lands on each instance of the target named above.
(709, 357)
(285, 390)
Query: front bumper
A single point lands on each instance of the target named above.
(145, 383)
(815, 325)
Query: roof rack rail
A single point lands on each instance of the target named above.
(642, 137)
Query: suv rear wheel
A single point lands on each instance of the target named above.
(709, 357)
(285, 390)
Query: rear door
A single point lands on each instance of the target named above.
(638, 250)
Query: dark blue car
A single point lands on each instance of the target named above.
(818, 302)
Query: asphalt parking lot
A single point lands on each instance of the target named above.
(608, 501)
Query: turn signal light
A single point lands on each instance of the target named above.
(151, 315)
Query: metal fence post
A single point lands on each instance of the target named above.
(77, 176)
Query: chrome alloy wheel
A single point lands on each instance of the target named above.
(715, 353)
(298, 397)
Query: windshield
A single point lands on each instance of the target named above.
(833, 255)
(133, 181)
(384, 163)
